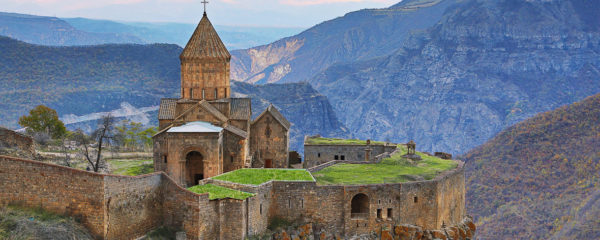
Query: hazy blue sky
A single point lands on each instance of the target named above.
(301, 13)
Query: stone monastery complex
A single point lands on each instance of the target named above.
(206, 138)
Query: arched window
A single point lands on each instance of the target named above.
(203, 93)
(360, 206)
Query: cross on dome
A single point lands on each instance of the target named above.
(204, 2)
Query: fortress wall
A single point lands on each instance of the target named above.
(306, 202)
(187, 211)
(315, 155)
(258, 208)
(232, 219)
(133, 205)
(451, 196)
(109, 206)
(424, 211)
(425, 203)
(58, 189)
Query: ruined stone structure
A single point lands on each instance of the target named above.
(17, 144)
(206, 133)
(317, 154)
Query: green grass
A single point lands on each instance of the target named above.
(258, 176)
(338, 141)
(395, 169)
(131, 167)
(218, 192)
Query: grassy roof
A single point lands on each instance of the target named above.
(218, 192)
(256, 176)
(395, 169)
(339, 141)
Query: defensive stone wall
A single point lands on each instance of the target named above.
(121, 207)
(427, 204)
(58, 189)
(315, 155)
(111, 207)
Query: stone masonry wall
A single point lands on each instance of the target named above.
(315, 155)
(111, 207)
(451, 196)
(57, 189)
(133, 205)
(424, 203)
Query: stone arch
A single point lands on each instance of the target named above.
(194, 167)
(359, 206)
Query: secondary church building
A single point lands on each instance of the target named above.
(206, 132)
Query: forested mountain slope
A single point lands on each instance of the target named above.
(539, 179)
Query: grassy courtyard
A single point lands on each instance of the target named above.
(131, 167)
(338, 141)
(391, 170)
(259, 176)
(218, 192)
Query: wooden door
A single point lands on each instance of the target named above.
(269, 163)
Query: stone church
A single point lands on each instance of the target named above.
(206, 132)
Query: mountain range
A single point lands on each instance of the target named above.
(539, 179)
(54, 31)
(449, 74)
(129, 80)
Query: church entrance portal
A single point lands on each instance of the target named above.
(195, 168)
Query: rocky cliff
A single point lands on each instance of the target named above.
(484, 66)
(539, 179)
(358, 35)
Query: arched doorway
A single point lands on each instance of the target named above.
(195, 168)
(360, 206)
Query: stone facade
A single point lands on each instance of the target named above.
(317, 154)
(270, 140)
(206, 133)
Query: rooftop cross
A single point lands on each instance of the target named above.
(204, 2)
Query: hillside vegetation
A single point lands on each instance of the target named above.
(26, 223)
(539, 179)
(82, 80)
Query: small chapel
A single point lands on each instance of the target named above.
(206, 132)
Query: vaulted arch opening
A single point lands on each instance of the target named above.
(195, 167)
(360, 206)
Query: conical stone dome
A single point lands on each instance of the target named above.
(205, 43)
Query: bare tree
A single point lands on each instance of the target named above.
(64, 149)
(102, 136)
